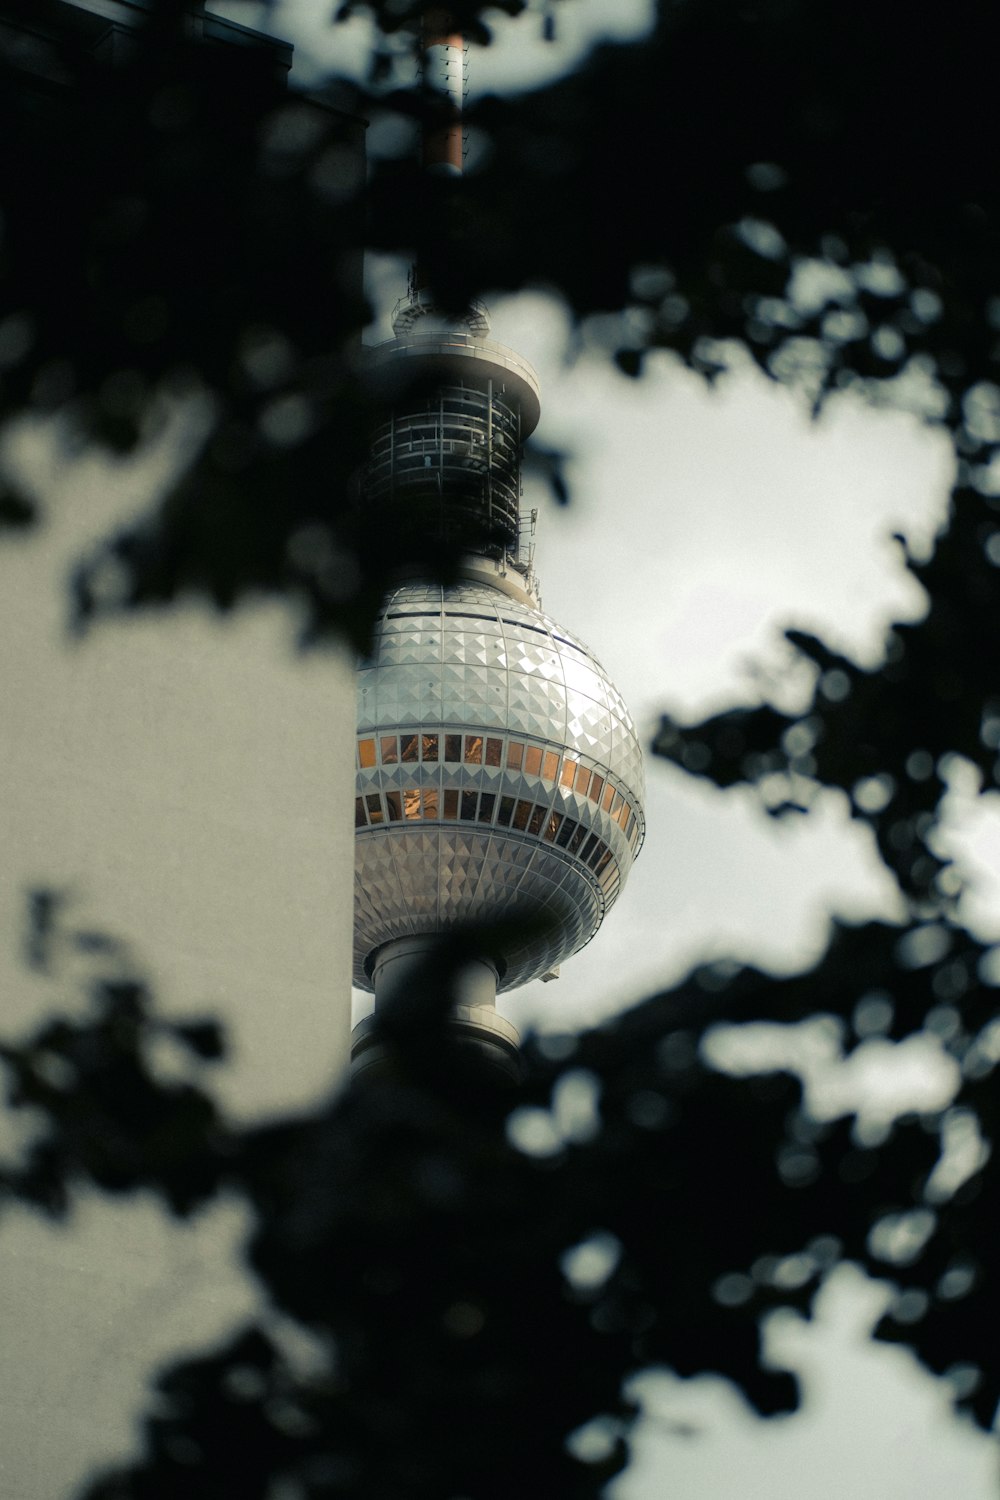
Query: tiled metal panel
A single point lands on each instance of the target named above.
(469, 658)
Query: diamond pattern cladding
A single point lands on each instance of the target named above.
(471, 657)
(518, 664)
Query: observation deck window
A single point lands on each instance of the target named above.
(411, 747)
(577, 839)
(522, 812)
(566, 832)
(430, 805)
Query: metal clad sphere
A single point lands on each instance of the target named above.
(499, 775)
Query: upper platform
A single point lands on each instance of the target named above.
(436, 354)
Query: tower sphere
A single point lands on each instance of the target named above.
(499, 777)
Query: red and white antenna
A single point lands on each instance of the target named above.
(443, 57)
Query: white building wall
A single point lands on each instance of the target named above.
(190, 782)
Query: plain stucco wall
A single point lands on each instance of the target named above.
(189, 781)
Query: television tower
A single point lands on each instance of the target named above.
(499, 775)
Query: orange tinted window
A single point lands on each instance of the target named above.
(617, 805)
(410, 746)
(582, 781)
(430, 747)
(494, 750)
(568, 772)
(390, 750)
(474, 749)
(451, 804)
(366, 752)
(609, 793)
(623, 814)
(596, 788)
(552, 826)
(532, 760)
(550, 765)
(411, 804)
(515, 752)
(430, 798)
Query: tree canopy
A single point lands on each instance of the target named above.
(813, 181)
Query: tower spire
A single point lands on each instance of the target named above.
(443, 72)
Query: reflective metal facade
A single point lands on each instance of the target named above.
(499, 775)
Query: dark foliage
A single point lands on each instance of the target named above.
(210, 229)
(423, 1230)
